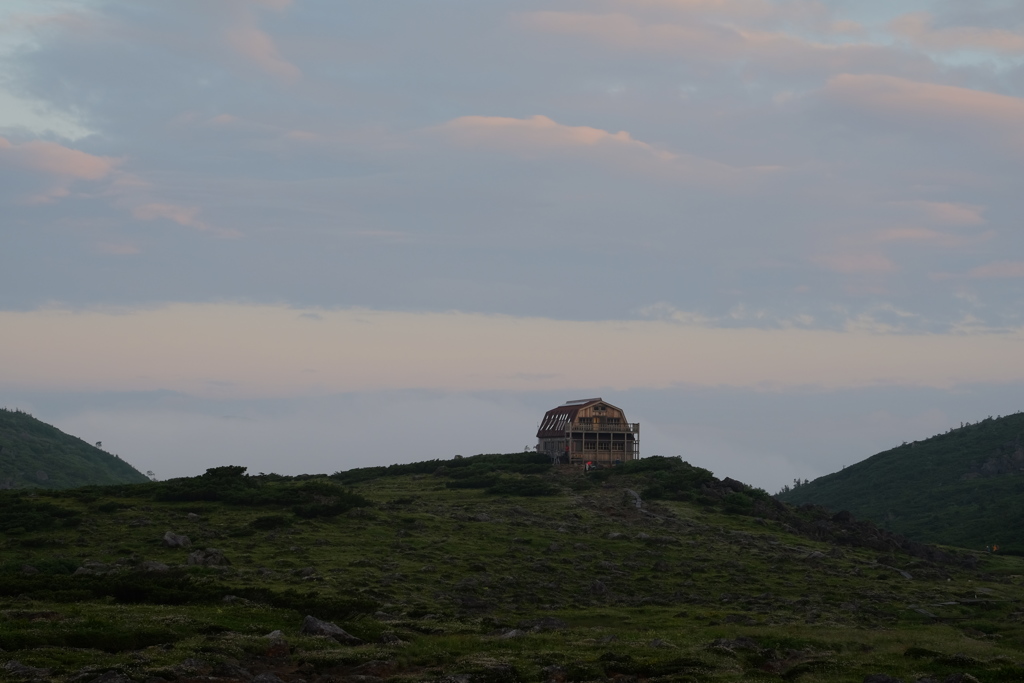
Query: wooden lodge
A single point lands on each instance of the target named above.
(588, 430)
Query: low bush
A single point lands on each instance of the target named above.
(527, 486)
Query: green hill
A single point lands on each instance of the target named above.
(486, 569)
(964, 487)
(34, 454)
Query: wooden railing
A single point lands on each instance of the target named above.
(633, 428)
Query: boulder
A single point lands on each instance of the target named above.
(211, 557)
(277, 645)
(173, 540)
(28, 569)
(92, 569)
(16, 668)
(267, 677)
(315, 627)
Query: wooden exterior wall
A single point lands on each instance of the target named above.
(588, 431)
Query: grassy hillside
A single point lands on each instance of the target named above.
(490, 569)
(35, 455)
(964, 487)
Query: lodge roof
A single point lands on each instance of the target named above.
(557, 419)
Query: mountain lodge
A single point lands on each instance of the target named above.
(588, 430)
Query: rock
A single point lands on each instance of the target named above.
(732, 484)
(391, 639)
(16, 668)
(514, 633)
(608, 566)
(211, 557)
(92, 569)
(598, 587)
(141, 521)
(278, 646)
(193, 517)
(28, 569)
(961, 678)
(305, 572)
(661, 644)
(554, 548)
(234, 600)
(267, 677)
(315, 627)
(173, 540)
(154, 566)
(615, 536)
(881, 678)
(642, 536)
(482, 517)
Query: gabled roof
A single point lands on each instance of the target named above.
(557, 419)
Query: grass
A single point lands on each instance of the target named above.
(688, 590)
(964, 487)
(34, 454)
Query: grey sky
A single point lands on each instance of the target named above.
(747, 164)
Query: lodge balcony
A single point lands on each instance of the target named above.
(632, 428)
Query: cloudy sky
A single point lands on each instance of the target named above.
(307, 235)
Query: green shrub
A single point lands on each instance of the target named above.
(528, 486)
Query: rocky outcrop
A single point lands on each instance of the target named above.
(316, 627)
(173, 540)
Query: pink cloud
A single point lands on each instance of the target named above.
(50, 170)
(919, 28)
(948, 213)
(998, 270)
(732, 36)
(542, 131)
(187, 216)
(929, 236)
(916, 102)
(255, 45)
(56, 160)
